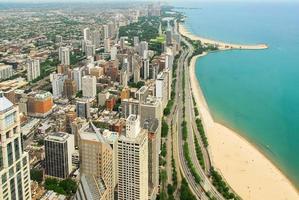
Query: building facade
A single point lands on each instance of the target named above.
(14, 162)
(59, 147)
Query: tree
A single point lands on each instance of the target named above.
(36, 175)
(164, 128)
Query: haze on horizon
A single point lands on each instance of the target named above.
(111, 1)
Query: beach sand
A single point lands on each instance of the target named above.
(221, 45)
(245, 168)
(251, 174)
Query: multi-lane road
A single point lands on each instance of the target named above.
(199, 190)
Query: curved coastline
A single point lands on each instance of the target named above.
(247, 170)
(221, 45)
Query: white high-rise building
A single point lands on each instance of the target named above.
(14, 162)
(86, 34)
(113, 53)
(107, 45)
(133, 161)
(77, 77)
(89, 86)
(64, 55)
(146, 69)
(5, 71)
(143, 46)
(33, 69)
(90, 50)
(106, 31)
(162, 88)
(57, 84)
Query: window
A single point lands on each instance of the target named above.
(1, 158)
(17, 148)
(9, 119)
(9, 154)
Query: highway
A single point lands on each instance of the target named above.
(177, 117)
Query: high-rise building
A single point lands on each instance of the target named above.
(14, 162)
(59, 147)
(133, 161)
(168, 37)
(90, 50)
(130, 106)
(91, 188)
(69, 88)
(107, 45)
(5, 71)
(162, 88)
(106, 31)
(150, 108)
(136, 41)
(153, 126)
(146, 67)
(113, 53)
(64, 55)
(98, 156)
(89, 86)
(143, 47)
(77, 77)
(96, 38)
(40, 104)
(82, 108)
(57, 84)
(33, 69)
(86, 34)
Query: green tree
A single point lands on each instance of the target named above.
(36, 175)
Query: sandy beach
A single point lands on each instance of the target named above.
(247, 170)
(219, 44)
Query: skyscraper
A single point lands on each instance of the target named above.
(14, 162)
(57, 84)
(82, 108)
(59, 147)
(69, 88)
(133, 162)
(97, 156)
(77, 77)
(64, 55)
(89, 84)
(33, 69)
(86, 34)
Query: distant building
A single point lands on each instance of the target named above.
(5, 71)
(107, 45)
(40, 104)
(14, 162)
(89, 84)
(59, 147)
(90, 50)
(57, 84)
(64, 55)
(82, 108)
(77, 77)
(33, 69)
(69, 88)
(133, 161)
(86, 34)
(143, 46)
(162, 88)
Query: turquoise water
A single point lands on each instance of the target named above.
(254, 92)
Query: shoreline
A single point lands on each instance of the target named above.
(221, 45)
(245, 168)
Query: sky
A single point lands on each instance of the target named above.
(98, 1)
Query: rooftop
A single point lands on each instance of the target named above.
(5, 104)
